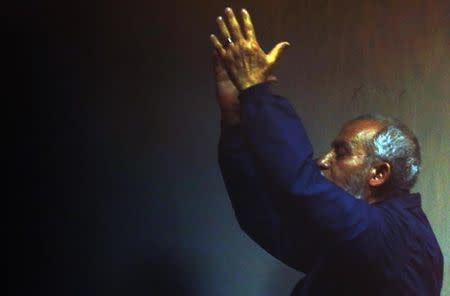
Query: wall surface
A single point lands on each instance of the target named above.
(127, 196)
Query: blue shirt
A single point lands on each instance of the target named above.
(344, 245)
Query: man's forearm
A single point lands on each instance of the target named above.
(252, 199)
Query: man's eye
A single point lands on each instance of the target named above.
(341, 152)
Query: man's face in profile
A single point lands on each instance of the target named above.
(346, 163)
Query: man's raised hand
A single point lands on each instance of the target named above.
(246, 63)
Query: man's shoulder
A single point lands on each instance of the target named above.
(404, 226)
(408, 244)
(401, 211)
(399, 203)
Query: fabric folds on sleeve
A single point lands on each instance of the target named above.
(254, 201)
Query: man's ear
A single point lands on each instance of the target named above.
(379, 174)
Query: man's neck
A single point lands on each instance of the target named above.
(380, 196)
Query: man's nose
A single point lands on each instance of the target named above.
(322, 163)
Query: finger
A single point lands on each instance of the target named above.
(217, 63)
(215, 59)
(217, 45)
(276, 52)
(223, 27)
(234, 25)
(248, 25)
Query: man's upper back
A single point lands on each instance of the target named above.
(396, 257)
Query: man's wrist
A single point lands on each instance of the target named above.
(247, 84)
(257, 90)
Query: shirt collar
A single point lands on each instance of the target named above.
(406, 199)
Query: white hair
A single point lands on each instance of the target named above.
(396, 144)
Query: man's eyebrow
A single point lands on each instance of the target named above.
(341, 143)
(336, 143)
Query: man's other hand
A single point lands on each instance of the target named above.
(226, 93)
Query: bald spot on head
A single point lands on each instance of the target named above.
(358, 133)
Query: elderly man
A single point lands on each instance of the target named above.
(348, 220)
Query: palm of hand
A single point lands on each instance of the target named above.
(246, 63)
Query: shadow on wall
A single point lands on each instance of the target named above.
(162, 274)
(282, 280)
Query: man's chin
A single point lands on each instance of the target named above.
(356, 193)
(353, 191)
(349, 189)
(327, 177)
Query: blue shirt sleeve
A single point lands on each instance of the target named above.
(281, 148)
(263, 217)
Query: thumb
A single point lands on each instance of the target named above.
(277, 50)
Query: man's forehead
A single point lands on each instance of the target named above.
(356, 132)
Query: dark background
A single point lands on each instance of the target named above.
(116, 188)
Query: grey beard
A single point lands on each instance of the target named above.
(355, 185)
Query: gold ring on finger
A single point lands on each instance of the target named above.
(228, 42)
